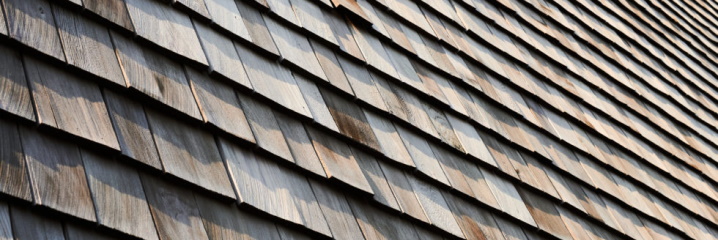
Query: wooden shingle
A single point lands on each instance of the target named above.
(378, 181)
(14, 92)
(299, 144)
(271, 188)
(57, 174)
(294, 47)
(376, 224)
(119, 199)
(5, 222)
(226, 221)
(30, 225)
(69, 103)
(222, 56)
(338, 161)
(272, 80)
(155, 21)
(219, 105)
(256, 27)
(155, 75)
(422, 155)
(88, 45)
(350, 119)
(226, 15)
(435, 206)
(400, 185)
(263, 123)
(316, 103)
(189, 153)
(174, 209)
(336, 209)
(132, 129)
(31, 23)
(390, 143)
(113, 10)
(13, 168)
(312, 19)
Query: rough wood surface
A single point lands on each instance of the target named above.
(119, 199)
(294, 47)
(155, 75)
(403, 192)
(174, 209)
(361, 82)
(390, 142)
(57, 174)
(312, 19)
(226, 221)
(273, 80)
(31, 22)
(316, 103)
(338, 161)
(350, 119)
(14, 93)
(69, 103)
(226, 14)
(88, 45)
(376, 224)
(133, 132)
(113, 10)
(299, 144)
(14, 179)
(5, 222)
(30, 225)
(336, 209)
(155, 21)
(435, 206)
(422, 155)
(221, 54)
(257, 28)
(265, 127)
(219, 105)
(189, 153)
(374, 174)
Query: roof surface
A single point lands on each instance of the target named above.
(358, 119)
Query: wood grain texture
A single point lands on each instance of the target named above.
(119, 199)
(311, 18)
(465, 176)
(226, 15)
(361, 82)
(155, 75)
(69, 103)
(189, 153)
(30, 225)
(155, 21)
(3, 23)
(263, 123)
(196, 6)
(435, 206)
(422, 155)
(508, 197)
(14, 179)
(14, 93)
(338, 212)
(299, 144)
(390, 142)
(294, 47)
(546, 215)
(5, 222)
(273, 189)
(316, 103)
(219, 105)
(283, 9)
(174, 209)
(373, 51)
(350, 119)
(273, 81)
(226, 221)
(330, 63)
(374, 174)
(344, 35)
(88, 45)
(31, 23)
(257, 28)
(338, 161)
(471, 140)
(133, 131)
(377, 224)
(476, 223)
(222, 56)
(57, 174)
(113, 10)
(403, 191)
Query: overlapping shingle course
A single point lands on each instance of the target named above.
(377, 119)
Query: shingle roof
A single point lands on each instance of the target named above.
(358, 119)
